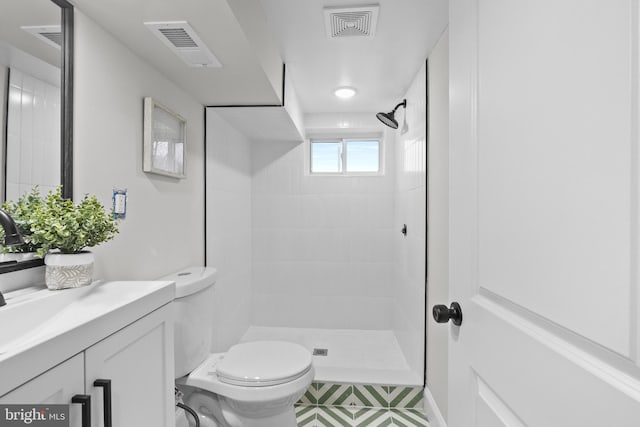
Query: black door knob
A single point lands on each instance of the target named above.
(442, 314)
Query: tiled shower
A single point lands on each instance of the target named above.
(322, 245)
(300, 255)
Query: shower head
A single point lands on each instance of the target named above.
(389, 118)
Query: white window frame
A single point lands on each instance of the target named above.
(345, 140)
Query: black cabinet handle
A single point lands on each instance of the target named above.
(85, 401)
(442, 314)
(106, 397)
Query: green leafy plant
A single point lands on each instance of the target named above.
(59, 223)
(21, 211)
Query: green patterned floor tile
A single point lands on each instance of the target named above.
(345, 405)
(310, 397)
(409, 418)
(306, 415)
(334, 416)
(334, 394)
(372, 417)
(406, 397)
(373, 396)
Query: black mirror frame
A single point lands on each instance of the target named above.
(66, 128)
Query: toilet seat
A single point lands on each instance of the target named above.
(263, 363)
(205, 377)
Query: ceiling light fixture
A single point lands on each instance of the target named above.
(345, 92)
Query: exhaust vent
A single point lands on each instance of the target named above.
(50, 34)
(320, 352)
(351, 21)
(184, 42)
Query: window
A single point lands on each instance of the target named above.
(346, 156)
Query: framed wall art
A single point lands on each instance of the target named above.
(164, 140)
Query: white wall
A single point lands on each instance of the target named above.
(164, 228)
(438, 238)
(229, 229)
(410, 209)
(322, 245)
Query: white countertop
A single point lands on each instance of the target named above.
(40, 328)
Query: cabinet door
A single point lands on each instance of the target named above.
(138, 360)
(58, 385)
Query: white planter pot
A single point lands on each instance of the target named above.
(68, 270)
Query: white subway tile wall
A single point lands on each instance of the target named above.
(229, 229)
(322, 245)
(408, 284)
(33, 135)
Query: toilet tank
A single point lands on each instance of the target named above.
(193, 316)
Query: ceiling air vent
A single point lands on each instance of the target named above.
(50, 34)
(184, 42)
(351, 21)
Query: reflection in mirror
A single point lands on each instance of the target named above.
(30, 60)
(36, 93)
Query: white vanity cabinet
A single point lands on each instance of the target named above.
(136, 361)
(57, 385)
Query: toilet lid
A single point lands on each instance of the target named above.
(264, 363)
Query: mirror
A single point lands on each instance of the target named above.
(36, 94)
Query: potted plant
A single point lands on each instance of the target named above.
(62, 230)
(21, 212)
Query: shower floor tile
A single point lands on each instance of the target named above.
(353, 356)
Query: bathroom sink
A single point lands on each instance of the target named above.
(28, 314)
(40, 328)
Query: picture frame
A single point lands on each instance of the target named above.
(164, 140)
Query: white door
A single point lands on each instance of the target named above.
(544, 213)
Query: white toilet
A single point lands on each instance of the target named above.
(253, 384)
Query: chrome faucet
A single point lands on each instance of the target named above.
(12, 237)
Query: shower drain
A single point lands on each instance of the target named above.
(320, 351)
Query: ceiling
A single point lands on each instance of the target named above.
(234, 30)
(21, 13)
(381, 68)
(252, 38)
